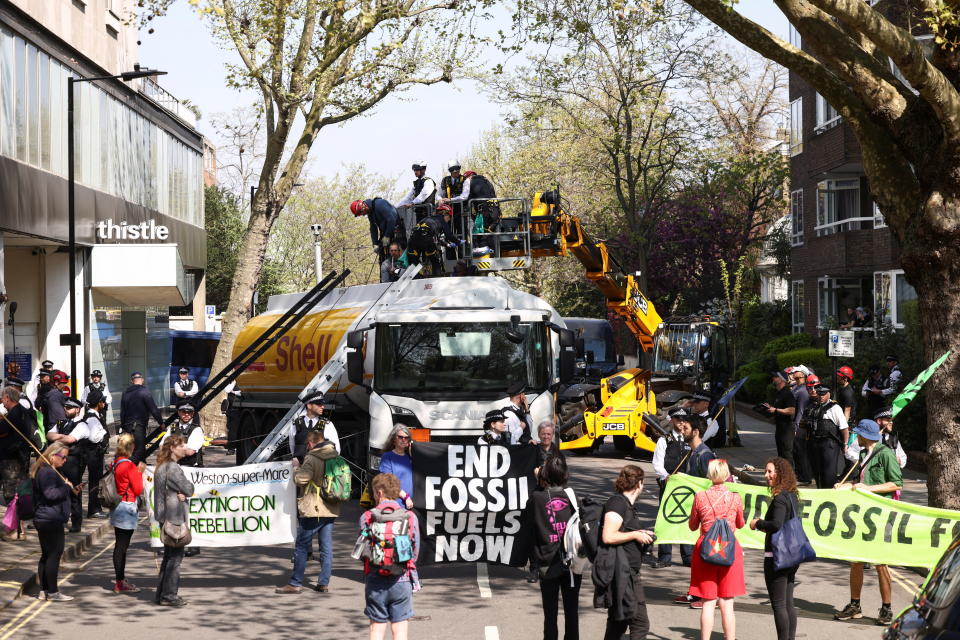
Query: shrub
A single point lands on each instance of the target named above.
(814, 357)
(756, 389)
(760, 322)
(787, 343)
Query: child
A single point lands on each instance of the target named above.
(391, 545)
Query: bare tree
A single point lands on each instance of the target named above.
(909, 136)
(241, 149)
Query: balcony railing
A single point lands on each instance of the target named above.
(168, 101)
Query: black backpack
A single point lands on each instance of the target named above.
(590, 512)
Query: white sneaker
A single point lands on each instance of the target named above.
(59, 597)
(42, 595)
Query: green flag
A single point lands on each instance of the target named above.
(910, 391)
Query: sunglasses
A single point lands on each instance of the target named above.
(403, 437)
(59, 455)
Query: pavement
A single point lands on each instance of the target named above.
(230, 590)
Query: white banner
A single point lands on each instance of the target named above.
(251, 505)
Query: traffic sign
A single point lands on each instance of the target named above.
(840, 344)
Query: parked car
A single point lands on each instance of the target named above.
(935, 612)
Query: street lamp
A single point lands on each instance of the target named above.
(317, 256)
(73, 339)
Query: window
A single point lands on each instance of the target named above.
(796, 305)
(827, 116)
(838, 207)
(826, 302)
(878, 221)
(796, 217)
(893, 294)
(794, 37)
(796, 127)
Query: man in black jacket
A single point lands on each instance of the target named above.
(14, 450)
(136, 407)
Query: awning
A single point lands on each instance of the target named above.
(140, 274)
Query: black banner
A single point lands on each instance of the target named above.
(470, 501)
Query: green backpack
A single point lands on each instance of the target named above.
(336, 485)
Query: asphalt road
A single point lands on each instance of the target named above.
(230, 594)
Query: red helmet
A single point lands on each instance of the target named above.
(846, 372)
(444, 209)
(813, 380)
(467, 174)
(357, 208)
(60, 376)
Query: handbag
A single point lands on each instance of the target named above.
(11, 522)
(719, 545)
(175, 535)
(790, 544)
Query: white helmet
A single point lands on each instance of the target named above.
(417, 166)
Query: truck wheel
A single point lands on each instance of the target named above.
(623, 444)
(248, 440)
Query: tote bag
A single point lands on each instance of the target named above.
(790, 545)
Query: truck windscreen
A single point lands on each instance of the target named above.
(455, 357)
(676, 351)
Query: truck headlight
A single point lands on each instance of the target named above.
(400, 411)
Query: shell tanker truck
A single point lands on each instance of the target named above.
(436, 358)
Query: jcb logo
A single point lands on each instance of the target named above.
(615, 426)
(641, 302)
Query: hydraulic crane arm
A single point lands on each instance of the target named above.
(621, 290)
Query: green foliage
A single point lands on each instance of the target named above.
(786, 343)
(814, 358)
(761, 322)
(756, 389)
(225, 226)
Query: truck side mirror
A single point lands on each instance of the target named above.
(580, 347)
(355, 357)
(568, 365)
(620, 360)
(567, 339)
(591, 357)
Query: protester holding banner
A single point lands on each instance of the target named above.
(550, 510)
(171, 490)
(315, 514)
(51, 495)
(124, 517)
(398, 462)
(887, 436)
(713, 582)
(621, 533)
(879, 473)
(546, 433)
(392, 546)
(780, 583)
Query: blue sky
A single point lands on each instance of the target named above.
(436, 124)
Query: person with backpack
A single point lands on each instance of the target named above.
(780, 583)
(620, 588)
(389, 545)
(316, 514)
(312, 419)
(717, 569)
(550, 511)
(51, 496)
(124, 517)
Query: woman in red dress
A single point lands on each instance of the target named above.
(714, 582)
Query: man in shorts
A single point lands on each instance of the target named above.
(389, 598)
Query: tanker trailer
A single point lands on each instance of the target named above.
(436, 359)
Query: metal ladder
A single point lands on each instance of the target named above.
(329, 373)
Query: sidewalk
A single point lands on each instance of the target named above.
(756, 433)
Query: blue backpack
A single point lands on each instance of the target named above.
(719, 545)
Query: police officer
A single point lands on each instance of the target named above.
(477, 187)
(828, 431)
(184, 389)
(872, 388)
(670, 456)
(46, 370)
(97, 384)
(19, 384)
(77, 433)
(700, 406)
(424, 190)
(136, 407)
(495, 429)
(452, 187)
(894, 374)
(43, 387)
(517, 415)
(93, 458)
(888, 437)
(311, 420)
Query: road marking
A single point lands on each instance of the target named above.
(491, 633)
(483, 583)
(899, 578)
(8, 629)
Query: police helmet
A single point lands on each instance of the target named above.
(419, 166)
(96, 373)
(183, 370)
(186, 408)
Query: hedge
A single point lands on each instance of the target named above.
(814, 357)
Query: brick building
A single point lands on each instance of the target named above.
(843, 254)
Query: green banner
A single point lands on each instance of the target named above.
(911, 390)
(843, 524)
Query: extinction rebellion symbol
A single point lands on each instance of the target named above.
(674, 509)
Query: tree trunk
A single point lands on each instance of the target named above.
(249, 264)
(932, 264)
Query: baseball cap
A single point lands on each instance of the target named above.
(868, 429)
